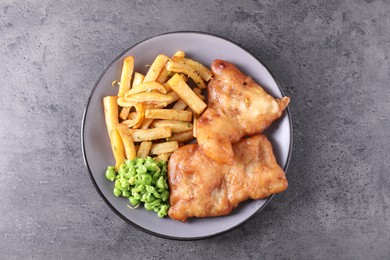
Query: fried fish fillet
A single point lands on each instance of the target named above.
(201, 187)
(237, 107)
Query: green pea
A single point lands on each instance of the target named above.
(141, 169)
(122, 170)
(156, 175)
(131, 168)
(124, 183)
(151, 165)
(149, 160)
(153, 191)
(142, 180)
(164, 168)
(129, 174)
(134, 201)
(148, 206)
(161, 183)
(130, 163)
(156, 202)
(132, 180)
(145, 179)
(163, 211)
(139, 188)
(136, 195)
(161, 164)
(111, 173)
(126, 193)
(165, 195)
(117, 184)
(117, 192)
(150, 197)
(139, 161)
(143, 197)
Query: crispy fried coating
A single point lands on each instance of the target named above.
(238, 107)
(201, 187)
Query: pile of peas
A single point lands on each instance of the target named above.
(142, 180)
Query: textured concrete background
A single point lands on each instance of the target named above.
(332, 57)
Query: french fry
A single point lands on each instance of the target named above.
(140, 115)
(138, 79)
(204, 72)
(167, 87)
(173, 96)
(174, 125)
(137, 121)
(125, 102)
(128, 145)
(124, 113)
(172, 114)
(163, 157)
(182, 68)
(140, 135)
(180, 105)
(151, 97)
(146, 123)
(167, 84)
(179, 54)
(182, 137)
(163, 76)
(132, 115)
(144, 149)
(156, 68)
(127, 71)
(124, 129)
(149, 106)
(184, 77)
(158, 101)
(117, 148)
(110, 106)
(165, 147)
(146, 87)
(128, 123)
(186, 94)
(161, 105)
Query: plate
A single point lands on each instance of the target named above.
(96, 147)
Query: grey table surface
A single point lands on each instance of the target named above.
(331, 57)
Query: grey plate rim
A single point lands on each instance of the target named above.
(288, 113)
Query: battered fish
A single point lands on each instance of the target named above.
(200, 187)
(237, 107)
